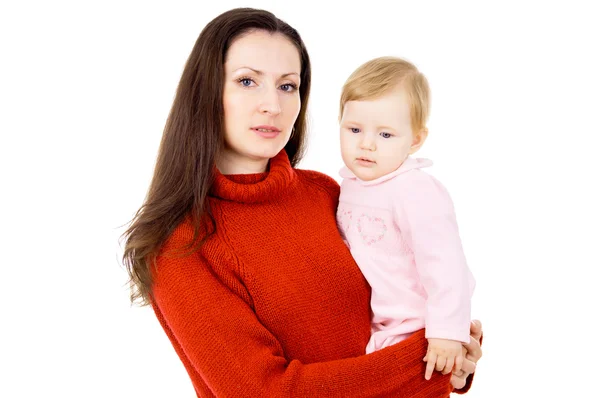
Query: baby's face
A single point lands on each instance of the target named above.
(376, 135)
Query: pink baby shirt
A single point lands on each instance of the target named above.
(402, 232)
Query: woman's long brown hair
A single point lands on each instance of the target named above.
(191, 141)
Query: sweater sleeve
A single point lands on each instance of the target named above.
(208, 316)
(427, 220)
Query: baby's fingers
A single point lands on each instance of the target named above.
(440, 363)
(448, 366)
(431, 359)
(458, 362)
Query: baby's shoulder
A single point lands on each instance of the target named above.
(420, 183)
(415, 176)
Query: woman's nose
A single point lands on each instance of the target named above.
(270, 103)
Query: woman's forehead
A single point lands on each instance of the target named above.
(264, 52)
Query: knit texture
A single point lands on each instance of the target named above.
(273, 304)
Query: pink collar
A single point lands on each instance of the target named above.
(408, 164)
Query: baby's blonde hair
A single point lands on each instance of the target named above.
(378, 76)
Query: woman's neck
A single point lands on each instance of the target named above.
(232, 163)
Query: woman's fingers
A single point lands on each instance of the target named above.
(476, 329)
(468, 366)
(473, 350)
(458, 382)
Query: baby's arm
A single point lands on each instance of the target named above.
(425, 215)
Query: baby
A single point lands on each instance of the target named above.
(399, 221)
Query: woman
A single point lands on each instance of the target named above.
(238, 252)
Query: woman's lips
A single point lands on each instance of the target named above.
(266, 131)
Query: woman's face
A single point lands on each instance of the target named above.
(260, 98)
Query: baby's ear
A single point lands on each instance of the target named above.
(418, 140)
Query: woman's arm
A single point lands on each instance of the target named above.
(207, 314)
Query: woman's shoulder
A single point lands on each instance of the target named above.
(320, 181)
(185, 234)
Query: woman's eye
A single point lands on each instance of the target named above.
(288, 87)
(386, 135)
(355, 130)
(245, 82)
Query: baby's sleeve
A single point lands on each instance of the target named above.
(427, 221)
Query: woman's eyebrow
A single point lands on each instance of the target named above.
(260, 73)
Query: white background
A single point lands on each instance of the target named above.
(85, 88)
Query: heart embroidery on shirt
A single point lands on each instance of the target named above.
(372, 229)
(344, 219)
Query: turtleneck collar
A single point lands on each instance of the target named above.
(258, 187)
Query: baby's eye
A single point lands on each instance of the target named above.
(355, 130)
(386, 135)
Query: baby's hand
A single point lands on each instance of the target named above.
(442, 355)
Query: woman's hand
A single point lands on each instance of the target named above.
(473, 353)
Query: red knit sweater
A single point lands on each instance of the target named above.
(273, 305)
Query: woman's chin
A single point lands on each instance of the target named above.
(268, 150)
